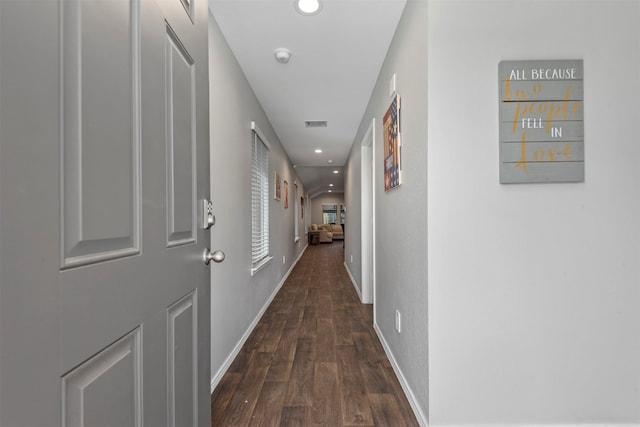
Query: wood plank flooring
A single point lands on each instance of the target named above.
(313, 359)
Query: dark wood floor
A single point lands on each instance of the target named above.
(313, 359)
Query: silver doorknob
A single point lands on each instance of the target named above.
(217, 256)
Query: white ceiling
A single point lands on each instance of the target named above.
(336, 56)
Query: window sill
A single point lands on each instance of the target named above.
(260, 265)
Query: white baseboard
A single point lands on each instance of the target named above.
(215, 380)
(417, 411)
(353, 282)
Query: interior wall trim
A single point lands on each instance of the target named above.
(353, 282)
(417, 411)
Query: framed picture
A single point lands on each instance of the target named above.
(276, 186)
(286, 195)
(392, 146)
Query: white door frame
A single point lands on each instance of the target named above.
(367, 222)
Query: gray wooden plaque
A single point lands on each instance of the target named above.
(541, 121)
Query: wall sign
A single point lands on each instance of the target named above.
(541, 121)
(392, 145)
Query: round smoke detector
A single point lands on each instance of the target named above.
(282, 55)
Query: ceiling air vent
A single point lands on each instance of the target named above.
(315, 123)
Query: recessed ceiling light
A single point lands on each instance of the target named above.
(330, 191)
(330, 185)
(336, 171)
(308, 7)
(317, 151)
(329, 161)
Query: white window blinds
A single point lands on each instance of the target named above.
(259, 200)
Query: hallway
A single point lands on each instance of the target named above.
(313, 359)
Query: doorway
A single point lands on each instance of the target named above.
(367, 194)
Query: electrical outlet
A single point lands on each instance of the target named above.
(398, 322)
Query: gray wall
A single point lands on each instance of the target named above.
(237, 298)
(533, 289)
(401, 226)
(324, 199)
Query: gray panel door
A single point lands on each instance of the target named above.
(104, 304)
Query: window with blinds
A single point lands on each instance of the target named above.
(259, 200)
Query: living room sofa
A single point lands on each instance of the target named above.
(325, 235)
(327, 232)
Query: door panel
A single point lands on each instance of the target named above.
(181, 122)
(104, 298)
(183, 361)
(111, 379)
(100, 131)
